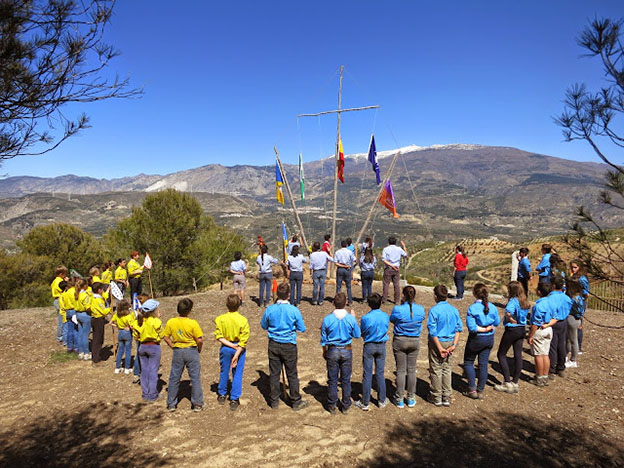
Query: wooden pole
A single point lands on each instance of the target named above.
(292, 200)
(149, 276)
(334, 211)
(374, 204)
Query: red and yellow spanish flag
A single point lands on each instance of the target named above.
(341, 161)
(386, 198)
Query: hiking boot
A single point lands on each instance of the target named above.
(171, 409)
(332, 410)
(537, 381)
(362, 406)
(137, 379)
(345, 409)
(561, 373)
(552, 376)
(234, 404)
(506, 387)
(221, 399)
(434, 400)
(198, 408)
(301, 404)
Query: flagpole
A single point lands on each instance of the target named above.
(292, 200)
(335, 209)
(375, 201)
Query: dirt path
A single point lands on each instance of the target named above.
(71, 414)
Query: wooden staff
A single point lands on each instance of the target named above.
(149, 277)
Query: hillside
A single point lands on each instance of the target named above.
(447, 192)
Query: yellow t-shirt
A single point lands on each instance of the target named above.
(134, 269)
(84, 301)
(183, 331)
(95, 279)
(62, 312)
(69, 299)
(125, 321)
(56, 291)
(107, 276)
(151, 330)
(121, 274)
(98, 307)
(233, 327)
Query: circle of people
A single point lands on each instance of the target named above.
(553, 328)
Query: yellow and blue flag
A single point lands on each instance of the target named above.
(278, 184)
(284, 235)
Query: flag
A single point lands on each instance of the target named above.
(136, 304)
(301, 178)
(341, 161)
(278, 184)
(372, 157)
(284, 235)
(147, 263)
(386, 198)
(115, 291)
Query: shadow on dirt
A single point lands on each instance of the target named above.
(96, 436)
(501, 439)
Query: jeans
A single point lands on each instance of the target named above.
(344, 274)
(97, 324)
(477, 346)
(392, 275)
(557, 353)
(124, 346)
(225, 359)
(367, 283)
(459, 278)
(137, 361)
(283, 354)
(405, 349)
(59, 323)
(189, 358)
(339, 366)
(150, 361)
(296, 281)
(72, 331)
(318, 286)
(440, 371)
(265, 287)
(513, 336)
(84, 327)
(373, 352)
(573, 335)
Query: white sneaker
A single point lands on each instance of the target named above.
(128, 371)
(80, 356)
(88, 357)
(117, 370)
(572, 364)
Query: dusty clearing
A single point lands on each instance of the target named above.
(71, 414)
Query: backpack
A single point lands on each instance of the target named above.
(578, 308)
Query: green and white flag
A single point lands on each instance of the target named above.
(301, 178)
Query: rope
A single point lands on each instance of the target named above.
(612, 327)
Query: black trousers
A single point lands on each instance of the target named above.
(513, 336)
(283, 354)
(557, 352)
(135, 286)
(525, 284)
(97, 325)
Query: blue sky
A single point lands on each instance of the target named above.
(224, 82)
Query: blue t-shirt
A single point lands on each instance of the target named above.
(544, 266)
(524, 268)
(283, 321)
(339, 328)
(476, 317)
(517, 313)
(560, 303)
(542, 312)
(444, 321)
(374, 326)
(406, 324)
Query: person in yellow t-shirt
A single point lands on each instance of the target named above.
(123, 320)
(134, 274)
(185, 337)
(60, 274)
(69, 303)
(232, 331)
(94, 273)
(149, 329)
(62, 313)
(121, 275)
(107, 273)
(135, 334)
(99, 311)
(83, 316)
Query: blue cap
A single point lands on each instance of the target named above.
(150, 305)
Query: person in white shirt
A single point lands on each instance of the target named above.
(318, 269)
(238, 268)
(344, 260)
(295, 262)
(391, 257)
(265, 267)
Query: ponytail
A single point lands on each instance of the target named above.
(409, 294)
(480, 291)
(263, 249)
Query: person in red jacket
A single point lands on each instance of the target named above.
(459, 271)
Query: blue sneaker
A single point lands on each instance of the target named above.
(399, 403)
(411, 402)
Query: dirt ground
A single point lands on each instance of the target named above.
(61, 414)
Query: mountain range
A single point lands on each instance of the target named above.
(445, 192)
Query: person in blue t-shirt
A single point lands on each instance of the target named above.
(524, 269)
(282, 321)
(561, 305)
(578, 273)
(543, 268)
(574, 292)
(515, 322)
(407, 319)
(540, 336)
(337, 331)
(374, 326)
(444, 326)
(481, 319)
